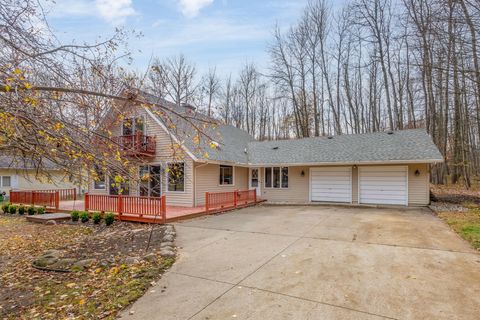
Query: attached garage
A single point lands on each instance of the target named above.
(331, 184)
(383, 185)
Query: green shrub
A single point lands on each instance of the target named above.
(96, 217)
(5, 208)
(12, 209)
(21, 210)
(75, 215)
(109, 218)
(40, 210)
(84, 217)
(31, 210)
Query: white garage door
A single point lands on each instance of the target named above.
(331, 184)
(383, 185)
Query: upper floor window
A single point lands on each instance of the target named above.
(276, 177)
(226, 175)
(132, 126)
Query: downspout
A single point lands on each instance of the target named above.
(195, 182)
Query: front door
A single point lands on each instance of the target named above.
(255, 180)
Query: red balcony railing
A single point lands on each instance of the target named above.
(137, 144)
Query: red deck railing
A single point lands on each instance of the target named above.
(65, 194)
(137, 144)
(219, 201)
(132, 208)
(49, 199)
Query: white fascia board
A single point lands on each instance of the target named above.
(190, 154)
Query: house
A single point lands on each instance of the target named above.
(21, 174)
(384, 168)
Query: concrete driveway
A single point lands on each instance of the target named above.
(311, 262)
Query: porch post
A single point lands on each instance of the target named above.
(120, 206)
(87, 202)
(57, 200)
(206, 202)
(164, 208)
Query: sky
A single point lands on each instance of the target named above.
(210, 33)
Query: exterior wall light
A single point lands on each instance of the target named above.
(417, 172)
(302, 173)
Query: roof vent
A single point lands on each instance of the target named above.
(275, 148)
(330, 137)
(389, 132)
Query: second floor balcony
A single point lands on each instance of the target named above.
(137, 145)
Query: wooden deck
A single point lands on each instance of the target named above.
(174, 213)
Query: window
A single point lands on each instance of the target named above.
(226, 175)
(131, 126)
(284, 177)
(276, 177)
(176, 176)
(118, 185)
(150, 181)
(6, 181)
(268, 177)
(99, 183)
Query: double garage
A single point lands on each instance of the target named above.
(384, 185)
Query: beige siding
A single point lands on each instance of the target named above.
(27, 180)
(419, 187)
(164, 154)
(298, 190)
(207, 180)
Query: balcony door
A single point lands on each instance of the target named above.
(150, 181)
(133, 126)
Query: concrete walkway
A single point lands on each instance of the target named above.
(316, 263)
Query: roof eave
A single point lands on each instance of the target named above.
(347, 163)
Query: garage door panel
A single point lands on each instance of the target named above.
(331, 184)
(383, 185)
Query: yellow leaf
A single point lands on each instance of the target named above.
(17, 71)
(8, 88)
(81, 302)
(27, 85)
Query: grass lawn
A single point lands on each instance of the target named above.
(466, 224)
(461, 210)
(96, 292)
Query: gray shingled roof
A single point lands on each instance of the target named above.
(405, 145)
(232, 142)
(11, 162)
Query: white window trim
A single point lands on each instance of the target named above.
(2, 184)
(161, 178)
(233, 176)
(167, 177)
(271, 177)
